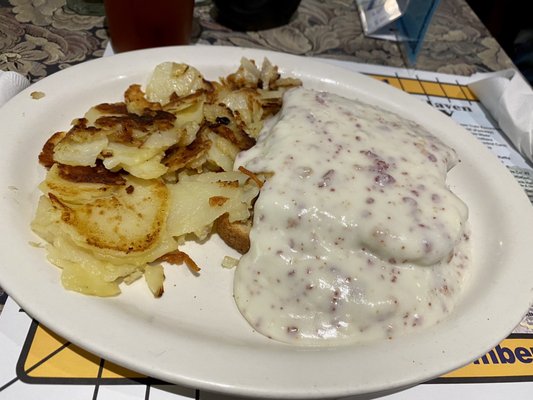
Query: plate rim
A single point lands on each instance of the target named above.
(114, 62)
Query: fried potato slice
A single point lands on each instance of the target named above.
(198, 200)
(81, 271)
(102, 234)
(81, 146)
(127, 222)
(179, 157)
(171, 78)
(79, 185)
(155, 277)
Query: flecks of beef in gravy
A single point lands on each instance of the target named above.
(356, 236)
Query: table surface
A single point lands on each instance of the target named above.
(38, 38)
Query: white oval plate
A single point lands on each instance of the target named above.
(194, 335)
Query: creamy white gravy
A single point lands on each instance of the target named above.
(356, 236)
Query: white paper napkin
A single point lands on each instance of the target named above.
(10, 84)
(509, 99)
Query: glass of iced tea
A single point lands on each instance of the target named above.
(141, 24)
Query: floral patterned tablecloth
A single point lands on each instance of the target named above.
(39, 37)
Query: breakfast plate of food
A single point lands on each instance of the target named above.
(259, 224)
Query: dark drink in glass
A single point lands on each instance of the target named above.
(141, 24)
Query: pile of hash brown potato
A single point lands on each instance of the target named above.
(130, 182)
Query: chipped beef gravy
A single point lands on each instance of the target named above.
(356, 235)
